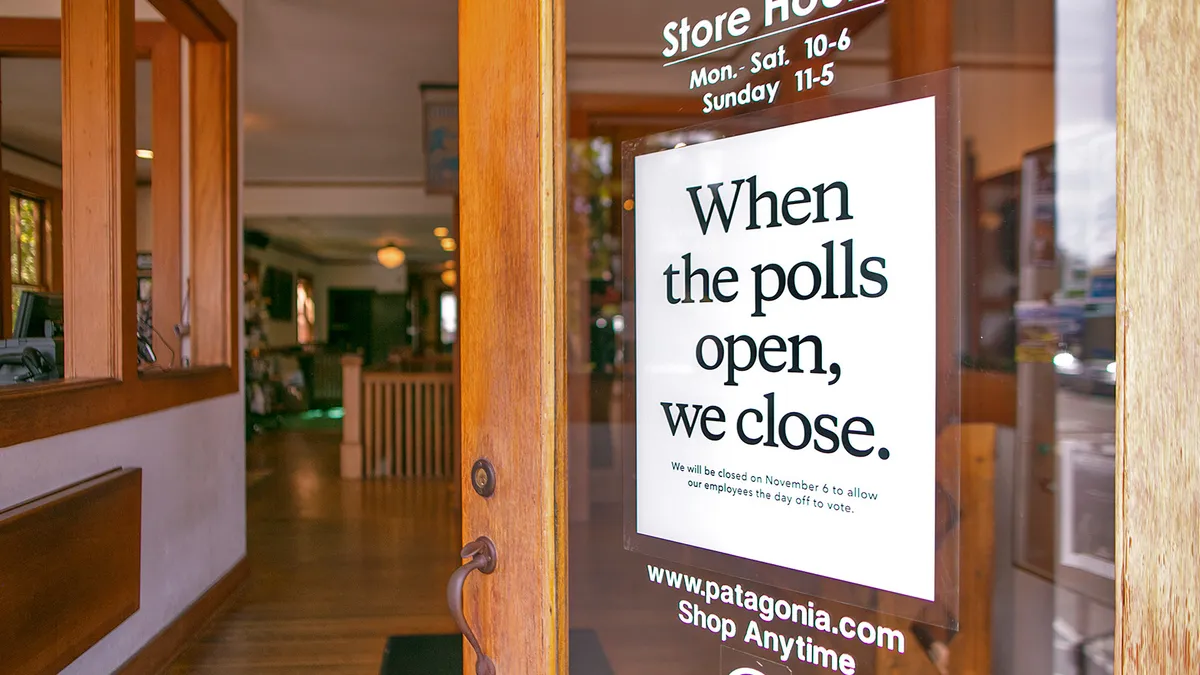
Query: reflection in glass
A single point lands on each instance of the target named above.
(31, 341)
(306, 317)
(28, 225)
(449, 317)
(1038, 103)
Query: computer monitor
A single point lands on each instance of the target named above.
(35, 311)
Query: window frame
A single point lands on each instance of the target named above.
(50, 256)
(102, 382)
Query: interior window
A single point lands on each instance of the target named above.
(306, 315)
(28, 224)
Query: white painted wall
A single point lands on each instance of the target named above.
(283, 333)
(375, 277)
(50, 174)
(368, 276)
(193, 505)
(33, 169)
(343, 200)
(193, 501)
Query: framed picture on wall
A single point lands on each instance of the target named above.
(277, 290)
(440, 112)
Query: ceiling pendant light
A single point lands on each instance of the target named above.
(449, 245)
(449, 277)
(390, 256)
(441, 232)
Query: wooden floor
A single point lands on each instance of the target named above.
(336, 566)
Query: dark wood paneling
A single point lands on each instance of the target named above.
(70, 570)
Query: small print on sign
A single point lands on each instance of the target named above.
(786, 375)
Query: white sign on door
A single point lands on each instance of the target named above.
(786, 345)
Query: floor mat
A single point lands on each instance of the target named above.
(442, 655)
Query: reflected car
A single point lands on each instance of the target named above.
(1090, 376)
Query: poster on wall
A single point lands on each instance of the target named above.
(1044, 329)
(795, 289)
(440, 122)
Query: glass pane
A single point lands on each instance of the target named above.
(31, 218)
(16, 300)
(32, 140)
(159, 348)
(47, 246)
(14, 239)
(1037, 178)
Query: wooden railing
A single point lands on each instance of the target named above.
(397, 423)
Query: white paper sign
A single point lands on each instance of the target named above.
(785, 360)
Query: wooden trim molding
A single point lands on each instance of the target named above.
(100, 246)
(170, 642)
(72, 570)
(42, 38)
(214, 288)
(1158, 362)
(166, 194)
(98, 42)
(52, 258)
(199, 20)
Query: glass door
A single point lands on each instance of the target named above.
(788, 336)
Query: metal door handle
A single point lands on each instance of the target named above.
(482, 553)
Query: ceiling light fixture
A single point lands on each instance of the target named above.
(449, 277)
(448, 244)
(441, 232)
(144, 154)
(390, 256)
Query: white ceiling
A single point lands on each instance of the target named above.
(355, 239)
(332, 88)
(31, 123)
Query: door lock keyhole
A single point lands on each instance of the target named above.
(483, 478)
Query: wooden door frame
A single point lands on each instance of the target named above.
(512, 145)
(1158, 361)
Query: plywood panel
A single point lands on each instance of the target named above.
(71, 566)
(1158, 351)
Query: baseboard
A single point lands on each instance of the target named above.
(163, 648)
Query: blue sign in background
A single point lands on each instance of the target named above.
(1103, 287)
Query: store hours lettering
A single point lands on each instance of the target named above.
(750, 93)
(684, 37)
(807, 78)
